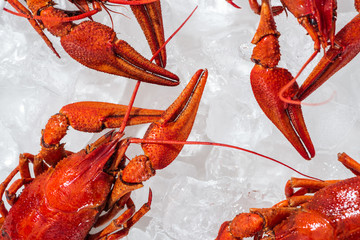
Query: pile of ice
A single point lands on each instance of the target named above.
(205, 185)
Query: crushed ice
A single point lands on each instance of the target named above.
(205, 185)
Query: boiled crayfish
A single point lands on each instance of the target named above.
(96, 45)
(268, 81)
(332, 213)
(70, 190)
(149, 16)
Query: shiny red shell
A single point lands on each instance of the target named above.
(333, 213)
(64, 202)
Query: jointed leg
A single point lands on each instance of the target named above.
(124, 222)
(349, 163)
(305, 185)
(3, 186)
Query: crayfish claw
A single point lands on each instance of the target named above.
(268, 80)
(288, 118)
(136, 61)
(102, 51)
(176, 123)
(169, 133)
(298, 123)
(149, 17)
(244, 225)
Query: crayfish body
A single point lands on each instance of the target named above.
(74, 192)
(332, 213)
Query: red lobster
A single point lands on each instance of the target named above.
(269, 81)
(70, 191)
(96, 45)
(331, 213)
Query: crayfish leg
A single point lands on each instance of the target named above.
(305, 185)
(3, 186)
(349, 163)
(35, 24)
(87, 117)
(120, 227)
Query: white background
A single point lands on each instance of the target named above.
(205, 185)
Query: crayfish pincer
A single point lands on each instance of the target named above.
(273, 86)
(332, 213)
(267, 79)
(72, 194)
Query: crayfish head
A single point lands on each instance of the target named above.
(80, 181)
(317, 17)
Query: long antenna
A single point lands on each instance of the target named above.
(152, 141)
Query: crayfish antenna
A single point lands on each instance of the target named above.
(175, 142)
(294, 100)
(346, 47)
(293, 81)
(149, 17)
(172, 35)
(231, 2)
(132, 2)
(54, 18)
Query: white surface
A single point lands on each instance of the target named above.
(205, 185)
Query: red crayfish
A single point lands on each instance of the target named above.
(73, 192)
(331, 213)
(270, 83)
(96, 45)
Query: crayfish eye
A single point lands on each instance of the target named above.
(4, 233)
(334, 15)
(313, 22)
